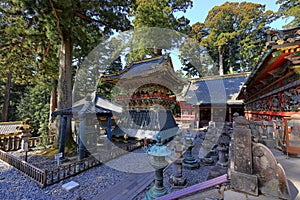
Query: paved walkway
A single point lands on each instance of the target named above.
(292, 170)
(129, 188)
(141, 174)
(137, 182)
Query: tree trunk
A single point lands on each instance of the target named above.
(157, 52)
(53, 98)
(6, 98)
(221, 67)
(53, 102)
(65, 83)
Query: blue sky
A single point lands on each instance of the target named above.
(201, 8)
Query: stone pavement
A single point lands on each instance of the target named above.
(141, 174)
(292, 170)
(137, 182)
(129, 188)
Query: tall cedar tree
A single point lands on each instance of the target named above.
(77, 26)
(234, 34)
(28, 56)
(16, 57)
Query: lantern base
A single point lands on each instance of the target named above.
(191, 164)
(155, 192)
(222, 164)
(178, 182)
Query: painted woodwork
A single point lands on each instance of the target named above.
(272, 91)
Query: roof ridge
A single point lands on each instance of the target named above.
(216, 77)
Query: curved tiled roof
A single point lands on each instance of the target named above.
(11, 127)
(215, 90)
(99, 105)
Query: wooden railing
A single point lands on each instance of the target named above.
(28, 169)
(45, 177)
(34, 141)
(10, 142)
(66, 171)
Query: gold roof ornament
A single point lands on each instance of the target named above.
(280, 42)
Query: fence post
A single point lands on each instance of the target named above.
(44, 183)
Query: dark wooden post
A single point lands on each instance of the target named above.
(44, 179)
(63, 135)
(109, 136)
(81, 138)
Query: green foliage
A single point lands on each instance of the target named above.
(235, 30)
(108, 90)
(175, 108)
(160, 14)
(16, 93)
(35, 35)
(196, 60)
(290, 8)
(34, 105)
(15, 48)
(115, 67)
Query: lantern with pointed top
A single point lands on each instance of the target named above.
(157, 156)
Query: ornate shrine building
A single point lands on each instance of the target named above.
(272, 91)
(146, 91)
(212, 99)
(11, 134)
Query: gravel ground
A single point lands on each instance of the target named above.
(15, 185)
(37, 160)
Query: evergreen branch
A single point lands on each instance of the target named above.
(56, 16)
(46, 52)
(82, 16)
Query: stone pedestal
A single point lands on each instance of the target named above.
(255, 168)
(223, 158)
(158, 189)
(189, 161)
(244, 182)
(177, 180)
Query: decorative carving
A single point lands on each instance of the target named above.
(275, 103)
(271, 176)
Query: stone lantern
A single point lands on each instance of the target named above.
(189, 160)
(222, 154)
(25, 136)
(25, 139)
(157, 156)
(177, 180)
